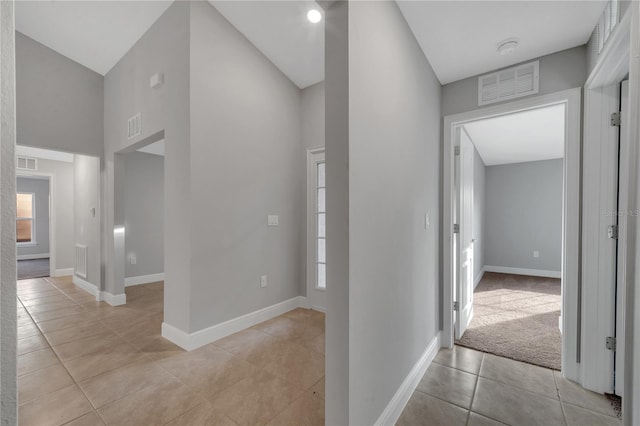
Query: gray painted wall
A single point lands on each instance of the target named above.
(8, 329)
(479, 216)
(40, 189)
(337, 379)
(312, 104)
(394, 179)
(247, 161)
(59, 102)
(523, 214)
(86, 196)
(559, 71)
(64, 205)
(144, 213)
(164, 48)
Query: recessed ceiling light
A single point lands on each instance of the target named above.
(314, 16)
(508, 46)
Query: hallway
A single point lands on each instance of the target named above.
(82, 362)
(466, 387)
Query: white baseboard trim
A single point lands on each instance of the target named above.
(143, 279)
(479, 277)
(523, 271)
(394, 409)
(112, 299)
(319, 309)
(63, 272)
(101, 296)
(86, 286)
(33, 256)
(191, 341)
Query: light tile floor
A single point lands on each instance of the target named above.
(467, 387)
(82, 362)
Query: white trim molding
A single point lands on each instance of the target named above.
(33, 256)
(479, 276)
(87, 286)
(63, 272)
(524, 271)
(112, 299)
(394, 409)
(143, 279)
(191, 341)
(101, 296)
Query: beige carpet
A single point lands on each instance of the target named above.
(516, 316)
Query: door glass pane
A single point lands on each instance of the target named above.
(321, 250)
(321, 225)
(322, 275)
(321, 181)
(23, 230)
(24, 206)
(321, 200)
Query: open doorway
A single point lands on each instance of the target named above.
(510, 192)
(461, 269)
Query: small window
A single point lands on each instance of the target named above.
(25, 213)
(321, 251)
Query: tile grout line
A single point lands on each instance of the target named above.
(475, 389)
(75, 383)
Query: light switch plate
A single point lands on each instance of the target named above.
(263, 281)
(272, 220)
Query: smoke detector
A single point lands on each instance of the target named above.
(507, 46)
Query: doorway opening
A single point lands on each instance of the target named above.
(509, 195)
(32, 226)
(465, 252)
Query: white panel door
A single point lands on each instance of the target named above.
(464, 291)
(623, 206)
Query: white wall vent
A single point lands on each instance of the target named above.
(511, 83)
(26, 163)
(81, 261)
(134, 126)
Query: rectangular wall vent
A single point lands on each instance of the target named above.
(511, 83)
(81, 261)
(134, 126)
(26, 163)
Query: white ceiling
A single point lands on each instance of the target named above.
(45, 154)
(281, 31)
(532, 135)
(460, 38)
(156, 148)
(95, 34)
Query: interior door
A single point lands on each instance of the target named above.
(464, 291)
(618, 378)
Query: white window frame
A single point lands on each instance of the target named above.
(32, 219)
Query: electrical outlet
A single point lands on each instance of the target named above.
(536, 253)
(263, 281)
(272, 220)
(427, 222)
(132, 259)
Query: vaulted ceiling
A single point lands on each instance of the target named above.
(458, 37)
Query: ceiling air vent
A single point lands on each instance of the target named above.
(508, 84)
(26, 163)
(134, 126)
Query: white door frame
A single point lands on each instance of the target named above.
(315, 300)
(52, 214)
(571, 213)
